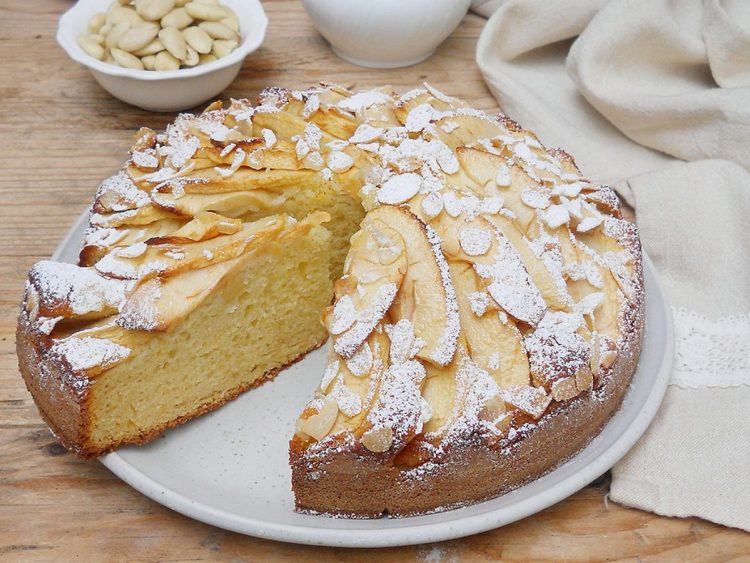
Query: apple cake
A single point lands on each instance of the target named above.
(483, 301)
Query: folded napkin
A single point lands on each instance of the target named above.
(653, 97)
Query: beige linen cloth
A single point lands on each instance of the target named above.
(653, 97)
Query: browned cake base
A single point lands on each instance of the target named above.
(351, 481)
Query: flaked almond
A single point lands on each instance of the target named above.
(608, 358)
(339, 162)
(399, 188)
(318, 425)
(378, 440)
(531, 400)
(564, 389)
(584, 379)
(474, 241)
(493, 410)
(503, 178)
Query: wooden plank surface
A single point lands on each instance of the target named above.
(60, 134)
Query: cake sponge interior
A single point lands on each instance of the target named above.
(266, 315)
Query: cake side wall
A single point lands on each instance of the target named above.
(60, 406)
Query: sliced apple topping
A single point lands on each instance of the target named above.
(479, 404)
(68, 291)
(509, 283)
(373, 273)
(556, 349)
(360, 364)
(494, 345)
(206, 225)
(156, 304)
(399, 407)
(166, 256)
(427, 283)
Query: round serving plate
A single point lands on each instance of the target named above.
(229, 468)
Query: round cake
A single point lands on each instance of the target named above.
(482, 300)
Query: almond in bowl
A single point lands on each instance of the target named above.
(163, 55)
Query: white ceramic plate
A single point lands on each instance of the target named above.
(229, 468)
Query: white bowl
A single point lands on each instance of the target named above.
(385, 33)
(159, 90)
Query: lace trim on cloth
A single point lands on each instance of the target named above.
(710, 353)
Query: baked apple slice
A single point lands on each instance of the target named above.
(373, 273)
(495, 345)
(426, 284)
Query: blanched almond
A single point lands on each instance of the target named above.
(91, 47)
(113, 37)
(222, 47)
(138, 36)
(151, 49)
(166, 61)
(122, 14)
(218, 30)
(153, 10)
(191, 58)
(125, 59)
(96, 22)
(174, 42)
(231, 21)
(207, 12)
(198, 39)
(205, 59)
(149, 62)
(178, 18)
(378, 441)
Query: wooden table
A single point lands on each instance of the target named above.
(60, 134)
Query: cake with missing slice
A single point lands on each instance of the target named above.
(483, 301)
